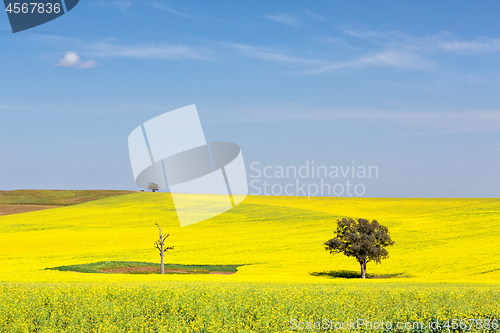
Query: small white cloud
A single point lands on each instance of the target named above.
(89, 64)
(71, 59)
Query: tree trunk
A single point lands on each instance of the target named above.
(162, 254)
(160, 245)
(363, 268)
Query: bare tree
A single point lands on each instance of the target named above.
(160, 245)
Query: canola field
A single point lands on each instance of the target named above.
(443, 266)
(246, 307)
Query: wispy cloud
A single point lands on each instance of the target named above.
(388, 58)
(293, 19)
(286, 19)
(146, 51)
(443, 41)
(395, 58)
(71, 59)
(372, 35)
(475, 46)
(478, 121)
(332, 40)
(122, 5)
(393, 49)
(314, 16)
(266, 54)
(110, 48)
(164, 7)
(447, 121)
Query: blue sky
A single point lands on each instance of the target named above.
(410, 87)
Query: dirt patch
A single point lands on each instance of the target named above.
(9, 209)
(131, 270)
(55, 197)
(222, 273)
(179, 271)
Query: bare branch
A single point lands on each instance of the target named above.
(160, 245)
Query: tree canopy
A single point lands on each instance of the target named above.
(153, 187)
(361, 239)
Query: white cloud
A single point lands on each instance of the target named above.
(266, 54)
(474, 46)
(393, 49)
(292, 20)
(283, 19)
(395, 58)
(430, 121)
(110, 48)
(145, 51)
(89, 64)
(333, 40)
(443, 41)
(388, 58)
(162, 6)
(71, 59)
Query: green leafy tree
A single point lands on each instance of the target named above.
(153, 187)
(361, 239)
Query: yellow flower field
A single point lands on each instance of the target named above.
(442, 267)
(243, 307)
(276, 238)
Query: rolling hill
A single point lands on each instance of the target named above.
(276, 239)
